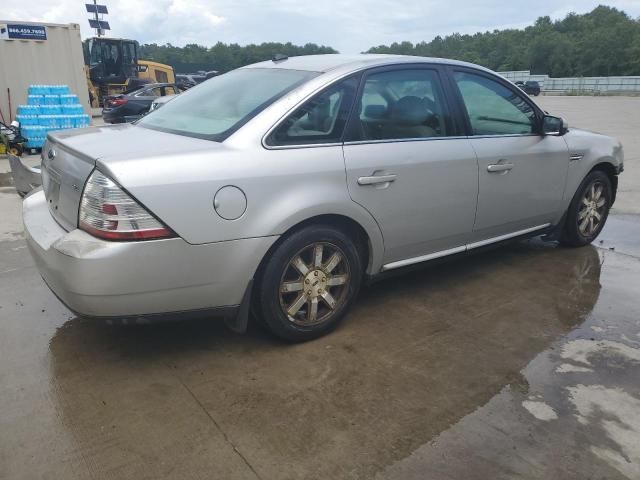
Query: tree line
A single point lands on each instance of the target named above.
(223, 57)
(605, 41)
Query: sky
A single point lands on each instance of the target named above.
(348, 26)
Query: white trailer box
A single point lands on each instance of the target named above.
(39, 54)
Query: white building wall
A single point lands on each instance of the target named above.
(578, 84)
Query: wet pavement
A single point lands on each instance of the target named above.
(574, 413)
(521, 362)
(614, 116)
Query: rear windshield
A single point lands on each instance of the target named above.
(216, 108)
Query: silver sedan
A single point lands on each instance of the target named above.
(279, 187)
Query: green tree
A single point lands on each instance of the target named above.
(605, 41)
(221, 56)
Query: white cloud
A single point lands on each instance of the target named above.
(349, 26)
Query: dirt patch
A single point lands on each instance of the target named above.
(6, 179)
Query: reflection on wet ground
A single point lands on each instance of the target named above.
(577, 418)
(520, 362)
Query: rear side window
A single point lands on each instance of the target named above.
(151, 92)
(161, 77)
(320, 120)
(401, 104)
(494, 109)
(218, 107)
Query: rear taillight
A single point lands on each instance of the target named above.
(107, 211)
(117, 102)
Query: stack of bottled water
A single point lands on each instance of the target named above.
(49, 107)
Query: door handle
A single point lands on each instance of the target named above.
(499, 167)
(375, 179)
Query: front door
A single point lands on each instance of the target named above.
(406, 165)
(522, 173)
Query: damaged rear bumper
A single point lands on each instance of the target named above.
(25, 178)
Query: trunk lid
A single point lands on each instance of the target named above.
(114, 101)
(64, 172)
(69, 157)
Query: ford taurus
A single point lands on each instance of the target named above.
(279, 187)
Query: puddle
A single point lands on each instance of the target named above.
(579, 416)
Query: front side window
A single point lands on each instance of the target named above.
(216, 108)
(95, 53)
(401, 104)
(153, 92)
(494, 109)
(129, 53)
(161, 77)
(320, 120)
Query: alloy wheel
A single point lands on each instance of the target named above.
(314, 284)
(592, 209)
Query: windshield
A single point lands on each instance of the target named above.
(216, 108)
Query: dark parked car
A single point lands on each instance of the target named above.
(131, 106)
(185, 81)
(530, 87)
(188, 80)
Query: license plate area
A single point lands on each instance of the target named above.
(63, 175)
(51, 181)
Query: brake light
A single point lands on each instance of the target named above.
(117, 102)
(108, 212)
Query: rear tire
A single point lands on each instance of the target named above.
(588, 210)
(308, 283)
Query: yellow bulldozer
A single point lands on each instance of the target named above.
(112, 67)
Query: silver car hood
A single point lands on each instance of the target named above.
(580, 133)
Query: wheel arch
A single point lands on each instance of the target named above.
(610, 170)
(368, 241)
(368, 237)
(578, 171)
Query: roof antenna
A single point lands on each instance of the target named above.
(279, 57)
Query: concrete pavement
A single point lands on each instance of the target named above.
(614, 116)
(520, 362)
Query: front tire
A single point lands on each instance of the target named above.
(588, 211)
(308, 283)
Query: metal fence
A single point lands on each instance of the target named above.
(595, 85)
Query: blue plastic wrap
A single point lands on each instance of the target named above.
(28, 110)
(68, 99)
(50, 107)
(51, 99)
(75, 109)
(35, 99)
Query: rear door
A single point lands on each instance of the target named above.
(522, 173)
(408, 165)
(141, 102)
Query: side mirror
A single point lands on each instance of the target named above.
(554, 125)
